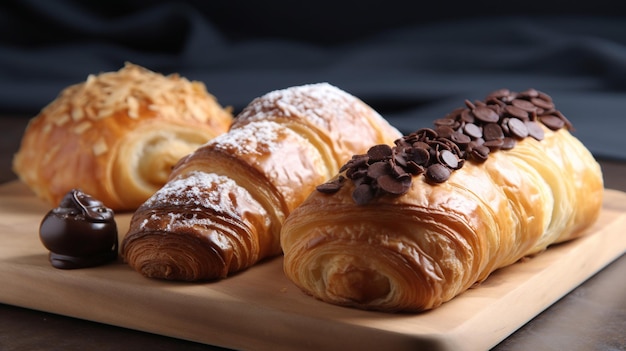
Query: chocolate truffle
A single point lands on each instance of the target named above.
(80, 233)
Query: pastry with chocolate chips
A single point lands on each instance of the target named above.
(409, 227)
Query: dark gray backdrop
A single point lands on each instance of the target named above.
(410, 61)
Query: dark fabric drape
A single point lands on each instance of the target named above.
(411, 63)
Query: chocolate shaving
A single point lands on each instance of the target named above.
(468, 133)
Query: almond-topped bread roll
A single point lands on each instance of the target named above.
(224, 205)
(409, 227)
(117, 135)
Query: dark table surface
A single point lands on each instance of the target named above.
(590, 317)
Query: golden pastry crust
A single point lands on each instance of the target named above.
(117, 135)
(224, 205)
(415, 251)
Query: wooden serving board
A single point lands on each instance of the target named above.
(260, 309)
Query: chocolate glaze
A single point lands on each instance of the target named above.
(80, 233)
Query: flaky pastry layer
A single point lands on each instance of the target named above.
(281, 146)
(416, 251)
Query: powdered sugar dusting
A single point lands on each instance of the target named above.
(199, 192)
(254, 138)
(314, 102)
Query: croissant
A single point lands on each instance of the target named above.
(409, 227)
(117, 135)
(223, 207)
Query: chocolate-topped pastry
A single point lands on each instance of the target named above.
(80, 233)
(468, 133)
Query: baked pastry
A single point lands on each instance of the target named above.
(410, 227)
(117, 135)
(224, 205)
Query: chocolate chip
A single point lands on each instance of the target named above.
(535, 130)
(361, 180)
(552, 122)
(467, 117)
(524, 105)
(473, 130)
(445, 131)
(355, 162)
(541, 103)
(421, 145)
(500, 93)
(356, 172)
(362, 194)
(492, 131)
(474, 144)
(497, 108)
(449, 159)
(485, 114)
(504, 124)
(399, 171)
(414, 168)
(427, 133)
(508, 143)
(441, 144)
(378, 169)
(517, 128)
(517, 112)
(329, 187)
(494, 144)
(445, 122)
(480, 153)
(421, 156)
(460, 138)
(400, 159)
(393, 185)
(568, 124)
(438, 173)
(379, 152)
